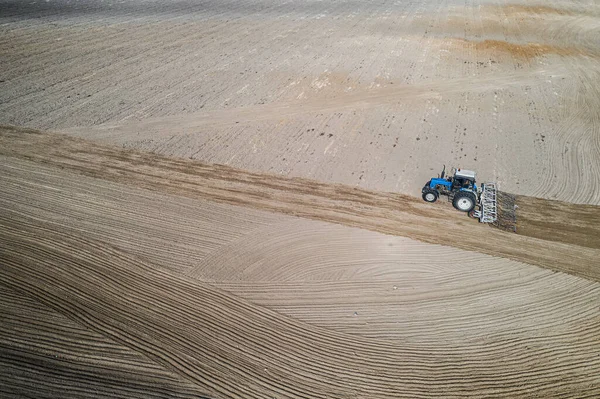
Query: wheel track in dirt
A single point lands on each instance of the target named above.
(576, 152)
(314, 271)
(384, 212)
(507, 329)
(572, 167)
(190, 59)
(162, 234)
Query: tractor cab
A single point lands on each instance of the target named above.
(463, 179)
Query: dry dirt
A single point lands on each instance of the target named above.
(375, 94)
(136, 275)
(231, 207)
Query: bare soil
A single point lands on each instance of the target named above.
(220, 199)
(377, 95)
(135, 264)
(388, 213)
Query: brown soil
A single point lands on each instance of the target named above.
(236, 213)
(559, 221)
(525, 51)
(358, 94)
(388, 213)
(133, 275)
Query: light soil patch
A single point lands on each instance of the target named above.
(373, 94)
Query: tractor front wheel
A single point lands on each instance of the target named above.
(430, 195)
(464, 201)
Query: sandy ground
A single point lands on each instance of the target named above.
(232, 210)
(374, 94)
(136, 274)
(388, 213)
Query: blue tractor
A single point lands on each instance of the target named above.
(460, 188)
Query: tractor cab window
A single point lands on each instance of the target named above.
(461, 183)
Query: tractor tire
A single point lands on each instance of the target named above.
(464, 201)
(430, 195)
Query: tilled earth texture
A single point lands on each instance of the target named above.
(377, 94)
(220, 199)
(130, 274)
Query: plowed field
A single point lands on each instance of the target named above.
(134, 275)
(220, 199)
(377, 94)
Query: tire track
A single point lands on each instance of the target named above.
(209, 65)
(300, 250)
(572, 167)
(406, 314)
(163, 232)
(313, 271)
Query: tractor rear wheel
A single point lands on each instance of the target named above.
(464, 201)
(430, 195)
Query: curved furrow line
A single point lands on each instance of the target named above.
(407, 314)
(577, 144)
(88, 206)
(33, 376)
(45, 354)
(244, 83)
(300, 250)
(572, 165)
(65, 265)
(302, 264)
(140, 293)
(590, 146)
(174, 234)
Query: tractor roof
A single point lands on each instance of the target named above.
(465, 174)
